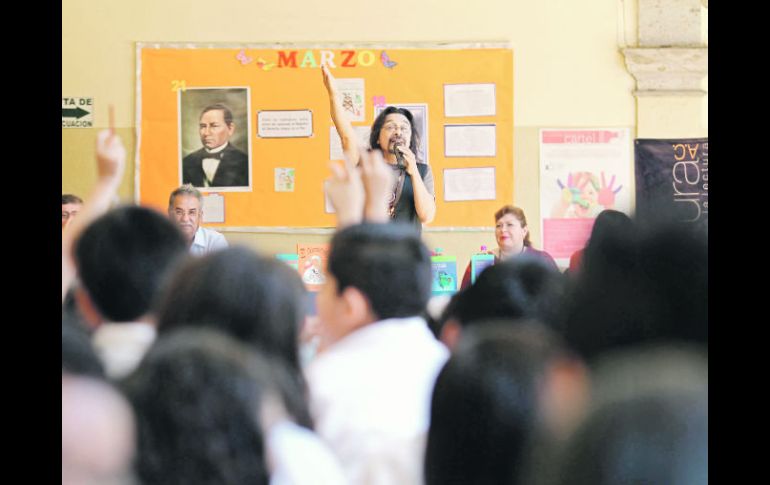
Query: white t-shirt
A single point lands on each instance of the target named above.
(370, 398)
(299, 457)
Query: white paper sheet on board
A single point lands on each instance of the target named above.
(477, 99)
(469, 184)
(213, 208)
(335, 144)
(470, 140)
(285, 124)
(352, 96)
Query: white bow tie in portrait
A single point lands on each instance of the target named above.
(210, 166)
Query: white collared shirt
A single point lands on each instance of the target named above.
(370, 396)
(206, 241)
(121, 346)
(299, 457)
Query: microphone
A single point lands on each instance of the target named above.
(401, 162)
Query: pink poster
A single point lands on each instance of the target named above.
(582, 172)
(565, 236)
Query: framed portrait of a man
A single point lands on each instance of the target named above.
(214, 151)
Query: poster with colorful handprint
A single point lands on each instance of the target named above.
(582, 172)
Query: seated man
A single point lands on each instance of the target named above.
(70, 206)
(185, 208)
(370, 386)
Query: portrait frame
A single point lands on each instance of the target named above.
(190, 104)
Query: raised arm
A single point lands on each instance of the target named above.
(110, 165)
(341, 122)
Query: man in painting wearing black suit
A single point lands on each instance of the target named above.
(218, 163)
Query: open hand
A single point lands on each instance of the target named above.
(378, 184)
(346, 192)
(606, 194)
(571, 194)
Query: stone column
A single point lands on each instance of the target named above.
(670, 67)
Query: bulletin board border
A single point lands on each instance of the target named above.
(141, 45)
(276, 45)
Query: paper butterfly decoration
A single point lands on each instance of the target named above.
(264, 64)
(243, 57)
(386, 60)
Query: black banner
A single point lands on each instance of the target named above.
(672, 180)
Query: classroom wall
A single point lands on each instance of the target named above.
(568, 71)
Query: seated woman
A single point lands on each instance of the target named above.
(512, 236)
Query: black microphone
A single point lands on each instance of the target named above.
(401, 162)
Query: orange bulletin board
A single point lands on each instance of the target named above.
(288, 79)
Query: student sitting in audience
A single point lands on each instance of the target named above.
(370, 386)
(256, 299)
(527, 288)
(648, 422)
(607, 220)
(512, 235)
(639, 288)
(123, 259)
(98, 435)
(506, 388)
(637, 312)
(213, 410)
